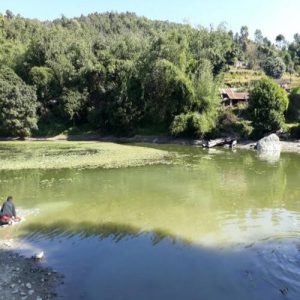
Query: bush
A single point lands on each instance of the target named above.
(227, 118)
(293, 112)
(274, 67)
(267, 104)
(191, 124)
(230, 124)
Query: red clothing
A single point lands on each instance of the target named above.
(5, 218)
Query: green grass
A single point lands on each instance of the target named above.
(56, 155)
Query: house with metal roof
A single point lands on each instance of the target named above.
(230, 97)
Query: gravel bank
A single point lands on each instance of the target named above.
(22, 277)
(25, 278)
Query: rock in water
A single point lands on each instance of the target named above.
(39, 256)
(270, 143)
(28, 285)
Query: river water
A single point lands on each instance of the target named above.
(206, 225)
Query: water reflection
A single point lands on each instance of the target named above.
(269, 156)
(116, 232)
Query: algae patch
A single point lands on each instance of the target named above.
(57, 155)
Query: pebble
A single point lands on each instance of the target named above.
(30, 292)
(15, 291)
(39, 298)
(12, 286)
(28, 285)
(23, 294)
(284, 291)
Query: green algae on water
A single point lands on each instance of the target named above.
(57, 155)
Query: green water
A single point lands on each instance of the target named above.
(207, 225)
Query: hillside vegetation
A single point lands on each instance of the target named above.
(122, 74)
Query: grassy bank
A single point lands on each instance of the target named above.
(55, 155)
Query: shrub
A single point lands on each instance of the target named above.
(191, 124)
(230, 124)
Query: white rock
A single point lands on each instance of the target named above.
(39, 256)
(269, 143)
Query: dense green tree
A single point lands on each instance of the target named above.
(274, 67)
(116, 97)
(168, 92)
(17, 105)
(294, 49)
(202, 116)
(267, 105)
(280, 41)
(244, 37)
(43, 79)
(259, 38)
(71, 103)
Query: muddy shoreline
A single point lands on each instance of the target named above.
(286, 146)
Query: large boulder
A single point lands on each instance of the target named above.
(270, 143)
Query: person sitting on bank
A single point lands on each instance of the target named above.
(8, 212)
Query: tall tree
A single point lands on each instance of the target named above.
(17, 105)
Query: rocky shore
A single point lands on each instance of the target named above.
(24, 278)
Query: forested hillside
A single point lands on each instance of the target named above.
(122, 74)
